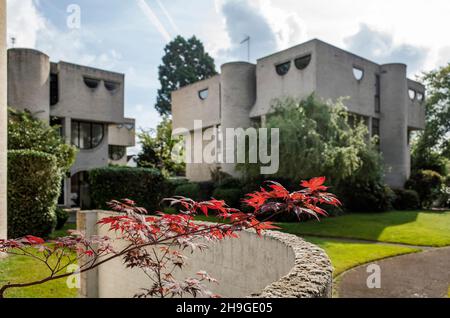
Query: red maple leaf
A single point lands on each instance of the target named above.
(33, 240)
(315, 184)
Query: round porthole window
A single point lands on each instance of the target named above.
(91, 82)
(412, 94)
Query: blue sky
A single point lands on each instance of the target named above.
(128, 36)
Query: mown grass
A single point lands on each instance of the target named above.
(22, 269)
(423, 228)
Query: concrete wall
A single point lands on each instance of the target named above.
(276, 265)
(296, 83)
(416, 107)
(335, 79)
(78, 101)
(3, 120)
(28, 82)
(121, 134)
(188, 106)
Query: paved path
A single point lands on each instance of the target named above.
(418, 275)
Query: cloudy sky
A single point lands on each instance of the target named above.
(128, 36)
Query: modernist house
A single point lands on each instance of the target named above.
(3, 122)
(391, 104)
(88, 105)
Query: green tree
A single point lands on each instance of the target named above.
(321, 139)
(431, 150)
(157, 145)
(185, 62)
(28, 133)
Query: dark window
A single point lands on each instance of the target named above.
(57, 123)
(54, 89)
(91, 82)
(302, 62)
(79, 183)
(87, 135)
(283, 69)
(62, 194)
(117, 152)
(203, 94)
(111, 86)
(377, 93)
(375, 127)
(358, 73)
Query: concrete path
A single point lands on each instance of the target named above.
(418, 275)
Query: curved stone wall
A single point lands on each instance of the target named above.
(272, 266)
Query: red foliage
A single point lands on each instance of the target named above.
(155, 243)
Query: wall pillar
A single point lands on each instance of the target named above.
(3, 122)
(394, 124)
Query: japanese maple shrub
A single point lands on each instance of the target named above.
(155, 243)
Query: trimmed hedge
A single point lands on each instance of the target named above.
(189, 190)
(34, 182)
(406, 200)
(427, 183)
(145, 186)
(365, 196)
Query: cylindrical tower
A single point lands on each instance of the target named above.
(394, 124)
(3, 121)
(28, 82)
(238, 95)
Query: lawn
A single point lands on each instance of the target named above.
(16, 269)
(409, 227)
(345, 255)
(20, 269)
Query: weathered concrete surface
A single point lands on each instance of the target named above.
(3, 122)
(275, 265)
(420, 275)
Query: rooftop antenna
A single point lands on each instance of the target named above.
(13, 41)
(247, 39)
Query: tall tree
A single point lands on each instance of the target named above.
(432, 148)
(157, 146)
(184, 62)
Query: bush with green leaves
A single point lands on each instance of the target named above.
(34, 182)
(189, 190)
(143, 185)
(406, 200)
(61, 217)
(366, 196)
(428, 184)
(26, 132)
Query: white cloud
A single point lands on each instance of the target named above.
(32, 30)
(24, 23)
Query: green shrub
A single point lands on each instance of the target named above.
(26, 132)
(34, 182)
(143, 185)
(206, 189)
(61, 217)
(406, 200)
(231, 196)
(427, 183)
(171, 184)
(365, 196)
(188, 190)
(229, 183)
